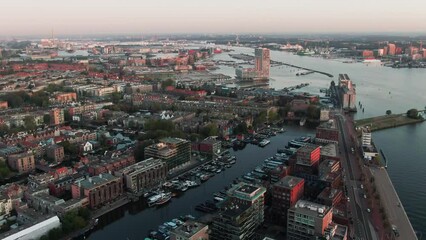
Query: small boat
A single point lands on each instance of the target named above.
(302, 122)
(264, 142)
(218, 199)
(159, 199)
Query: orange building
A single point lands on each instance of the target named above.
(66, 97)
(391, 49)
(3, 105)
(57, 116)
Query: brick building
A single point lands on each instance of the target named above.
(100, 189)
(285, 193)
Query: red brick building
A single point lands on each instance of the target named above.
(100, 190)
(111, 164)
(285, 193)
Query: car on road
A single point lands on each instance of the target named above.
(395, 230)
(362, 186)
(365, 196)
(368, 210)
(352, 150)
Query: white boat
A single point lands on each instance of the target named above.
(264, 142)
(302, 121)
(159, 199)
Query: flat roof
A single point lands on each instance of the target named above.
(94, 181)
(189, 228)
(311, 208)
(289, 181)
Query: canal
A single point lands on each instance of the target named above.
(134, 221)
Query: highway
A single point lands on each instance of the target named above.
(360, 228)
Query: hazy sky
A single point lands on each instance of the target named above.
(38, 17)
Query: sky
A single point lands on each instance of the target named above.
(79, 17)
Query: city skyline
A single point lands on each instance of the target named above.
(155, 17)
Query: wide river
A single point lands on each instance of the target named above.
(378, 88)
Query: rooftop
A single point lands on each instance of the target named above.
(95, 181)
(289, 181)
(170, 140)
(311, 209)
(246, 191)
(189, 228)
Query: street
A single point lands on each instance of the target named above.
(361, 224)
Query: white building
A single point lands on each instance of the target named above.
(35, 231)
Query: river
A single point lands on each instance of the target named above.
(378, 88)
(134, 221)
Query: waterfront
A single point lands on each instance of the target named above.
(378, 88)
(134, 220)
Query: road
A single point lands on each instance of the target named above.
(360, 228)
(396, 213)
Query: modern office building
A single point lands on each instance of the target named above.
(262, 62)
(307, 220)
(240, 215)
(285, 193)
(144, 175)
(173, 151)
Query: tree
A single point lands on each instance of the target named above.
(167, 83)
(4, 129)
(413, 113)
(29, 123)
(4, 170)
(313, 112)
(388, 112)
(46, 119)
(116, 97)
(210, 130)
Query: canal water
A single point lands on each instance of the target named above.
(378, 88)
(134, 221)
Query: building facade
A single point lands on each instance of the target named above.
(100, 189)
(57, 116)
(262, 62)
(285, 194)
(173, 151)
(23, 162)
(144, 175)
(307, 220)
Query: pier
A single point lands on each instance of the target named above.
(247, 57)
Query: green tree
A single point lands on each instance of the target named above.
(210, 130)
(116, 97)
(4, 170)
(4, 129)
(241, 128)
(167, 83)
(29, 123)
(46, 119)
(313, 112)
(388, 112)
(413, 113)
